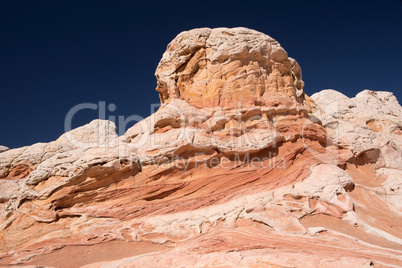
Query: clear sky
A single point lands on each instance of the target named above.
(56, 54)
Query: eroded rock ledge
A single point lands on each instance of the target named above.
(238, 167)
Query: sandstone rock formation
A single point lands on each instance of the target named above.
(220, 67)
(3, 148)
(238, 168)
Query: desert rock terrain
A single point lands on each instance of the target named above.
(237, 168)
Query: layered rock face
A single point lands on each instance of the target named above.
(221, 67)
(238, 168)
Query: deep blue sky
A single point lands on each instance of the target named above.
(57, 54)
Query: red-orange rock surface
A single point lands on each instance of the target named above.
(238, 168)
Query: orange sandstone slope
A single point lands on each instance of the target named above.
(238, 168)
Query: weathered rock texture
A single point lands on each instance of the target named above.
(220, 67)
(238, 168)
(3, 148)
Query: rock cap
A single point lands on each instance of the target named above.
(223, 66)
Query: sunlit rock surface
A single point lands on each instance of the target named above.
(237, 168)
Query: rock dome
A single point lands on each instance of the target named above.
(222, 66)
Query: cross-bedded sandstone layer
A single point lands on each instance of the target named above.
(238, 168)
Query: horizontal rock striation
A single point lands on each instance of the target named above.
(237, 168)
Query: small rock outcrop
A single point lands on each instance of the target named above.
(237, 168)
(369, 126)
